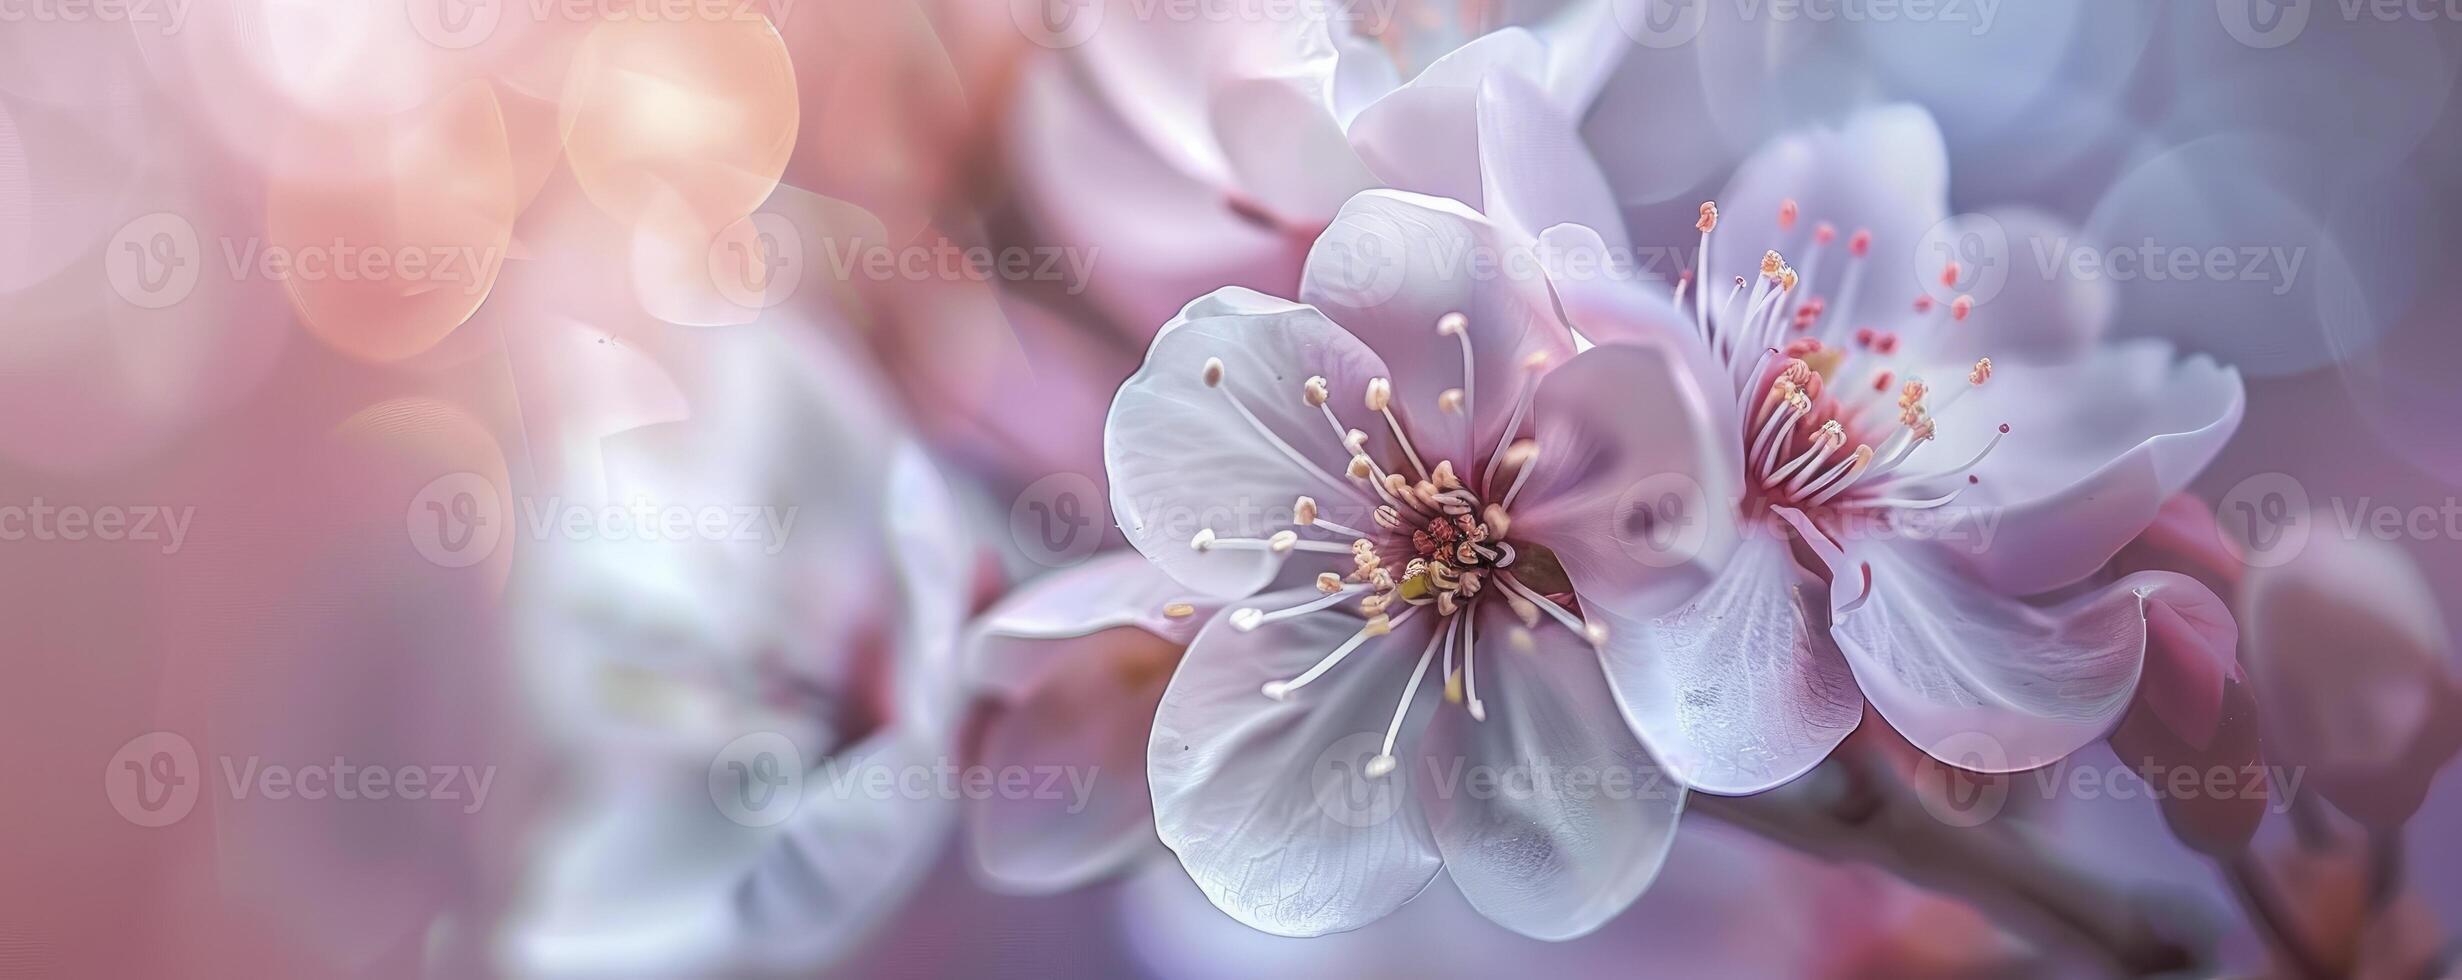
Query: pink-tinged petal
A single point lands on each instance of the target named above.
(1183, 458)
(1267, 801)
(1634, 486)
(2190, 663)
(1947, 661)
(2354, 666)
(1611, 300)
(1159, 230)
(1283, 147)
(1424, 137)
(2217, 824)
(1534, 170)
(1738, 690)
(1014, 648)
(1583, 815)
(1086, 720)
(1885, 171)
(1389, 269)
(2094, 449)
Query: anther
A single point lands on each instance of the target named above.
(1179, 610)
(1960, 307)
(1452, 324)
(1203, 539)
(1283, 541)
(1981, 373)
(1709, 217)
(1317, 394)
(1303, 512)
(1380, 394)
(1213, 372)
(1786, 214)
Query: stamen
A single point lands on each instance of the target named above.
(1523, 455)
(1279, 690)
(1701, 268)
(1384, 761)
(1214, 374)
(1470, 670)
(1249, 618)
(1852, 467)
(1380, 401)
(1282, 542)
(1592, 632)
(1536, 363)
(1459, 326)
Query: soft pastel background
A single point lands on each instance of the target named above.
(588, 181)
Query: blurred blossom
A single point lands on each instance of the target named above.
(1202, 151)
(2354, 669)
(726, 692)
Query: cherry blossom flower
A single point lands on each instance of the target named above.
(1194, 152)
(825, 640)
(1405, 511)
(1909, 524)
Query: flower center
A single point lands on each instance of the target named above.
(1806, 390)
(1436, 542)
